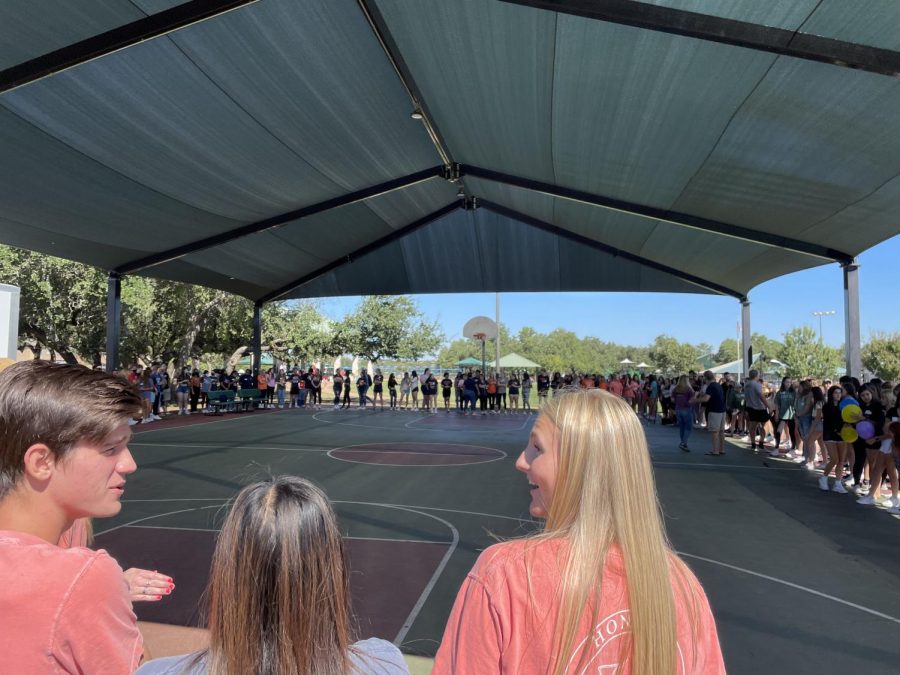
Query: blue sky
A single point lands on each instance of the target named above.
(637, 318)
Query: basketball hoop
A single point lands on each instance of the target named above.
(479, 336)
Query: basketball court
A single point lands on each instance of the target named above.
(799, 580)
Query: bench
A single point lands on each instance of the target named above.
(218, 402)
(248, 399)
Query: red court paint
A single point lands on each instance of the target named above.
(386, 577)
(416, 454)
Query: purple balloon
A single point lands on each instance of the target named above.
(865, 429)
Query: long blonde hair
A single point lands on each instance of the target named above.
(601, 499)
(279, 598)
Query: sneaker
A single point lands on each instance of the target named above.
(156, 417)
(683, 447)
(865, 501)
(745, 437)
(823, 483)
(894, 510)
(147, 420)
(132, 422)
(774, 453)
(839, 488)
(887, 502)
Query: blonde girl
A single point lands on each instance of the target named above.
(405, 385)
(601, 568)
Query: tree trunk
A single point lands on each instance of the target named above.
(232, 360)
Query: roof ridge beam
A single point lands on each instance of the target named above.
(98, 46)
(611, 250)
(363, 250)
(781, 41)
(282, 219)
(673, 217)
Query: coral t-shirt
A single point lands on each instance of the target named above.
(64, 610)
(499, 625)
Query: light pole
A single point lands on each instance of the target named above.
(830, 312)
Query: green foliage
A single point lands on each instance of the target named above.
(881, 355)
(673, 357)
(62, 304)
(386, 327)
(765, 346)
(803, 355)
(728, 351)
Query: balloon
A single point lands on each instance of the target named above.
(849, 434)
(847, 401)
(851, 414)
(865, 429)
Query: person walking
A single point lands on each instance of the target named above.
(682, 397)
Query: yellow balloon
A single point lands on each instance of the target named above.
(849, 434)
(851, 414)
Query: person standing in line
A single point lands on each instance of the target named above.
(426, 390)
(459, 389)
(713, 396)
(682, 397)
(526, 393)
(295, 388)
(757, 406)
(543, 386)
(348, 385)
(492, 392)
(470, 393)
(392, 390)
(378, 388)
(446, 390)
(514, 393)
(337, 385)
(501, 392)
(270, 388)
(837, 448)
(785, 408)
(280, 387)
(405, 389)
(432, 385)
(362, 385)
(813, 440)
(414, 389)
(481, 386)
(315, 380)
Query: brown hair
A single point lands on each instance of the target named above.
(278, 594)
(59, 405)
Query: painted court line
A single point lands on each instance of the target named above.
(421, 428)
(409, 425)
(210, 529)
(225, 447)
(719, 465)
(792, 585)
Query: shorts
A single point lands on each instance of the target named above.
(715, 422)
(446, 394)
(757, 415)
(886, 447)
(377, 389)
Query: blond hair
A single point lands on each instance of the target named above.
(600, 499)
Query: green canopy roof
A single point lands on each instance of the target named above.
(513, 360)
(469, 361)
(627, 147)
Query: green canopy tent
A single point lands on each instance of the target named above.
(515, 361)
(469, 361)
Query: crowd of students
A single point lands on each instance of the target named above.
(278, 596)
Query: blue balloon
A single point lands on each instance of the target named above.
(847, 401)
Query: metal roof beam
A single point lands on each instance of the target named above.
(368, 248)
(674, 217)
(606, 248)
(779, 41)
(392, 51)
(113, 40)
(282, 219)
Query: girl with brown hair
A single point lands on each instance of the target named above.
(278, 593)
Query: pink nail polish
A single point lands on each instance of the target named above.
(159, 597)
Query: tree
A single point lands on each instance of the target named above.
(764, 345)
(673, 357)
(62, 306)
(803, 355)
(728, 351)
(881, 355)
(383, 327)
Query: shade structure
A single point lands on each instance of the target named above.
(469, 361)
(626, 361)
(643, 365)
(513, 360)
(605, 146)
(734, 367)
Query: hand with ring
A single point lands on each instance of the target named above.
(147, 585)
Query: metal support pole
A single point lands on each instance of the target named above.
(113, 320)
(851, 319)
(497, 341)
(257, 338)
(746, 348)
